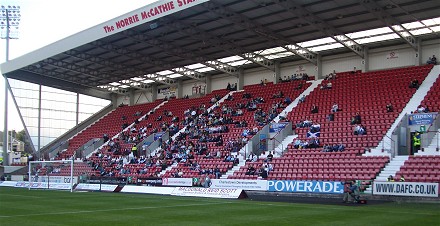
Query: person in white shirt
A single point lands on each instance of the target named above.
(335, 107)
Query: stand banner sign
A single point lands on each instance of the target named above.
(96, 187)
(277, 127)
(250, 185)
(43, 185)
(178, 182)
(8, 183)
(54, 179)
(154, 181)
(406, 189)
(328, 187)
(207, 192)
(147, 190)
(421, 119)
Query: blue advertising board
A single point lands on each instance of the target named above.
(421, 119)
(329, 187)
(263, 142)
(157, 136)
(277, 127)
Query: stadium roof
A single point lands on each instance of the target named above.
(169, 39)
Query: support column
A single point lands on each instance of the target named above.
(39, 122)
(366, 60)
(240, 82)
(153, 92)
(77, 108)
(277, 74)
(114, 97)
(208, 82)
(5, 130)
(179, 88)
(319, 66)
(418, 54)
(131, 97)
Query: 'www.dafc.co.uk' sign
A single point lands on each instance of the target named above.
(421, 119)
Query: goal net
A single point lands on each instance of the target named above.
(57, 174)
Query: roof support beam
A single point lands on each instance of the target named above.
(313, 20)
(189, 73)
(134, 71)
(74, 68)
(180, 52)
(390, 21)
(220, 66)
(259, 29)
(194, 31)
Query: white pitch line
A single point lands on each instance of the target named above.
(109, 210)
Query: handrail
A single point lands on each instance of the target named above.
(432, 129)
(276, 146)
(392, 150)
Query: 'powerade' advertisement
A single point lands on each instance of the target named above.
(329, 187)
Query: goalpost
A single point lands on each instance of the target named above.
(56, 174)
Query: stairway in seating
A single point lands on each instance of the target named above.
(433, 148)
(283, 146)
(412, 105)
(314, 84)
(390, 169)
(235, 168)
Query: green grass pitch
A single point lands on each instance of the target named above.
(20, 207)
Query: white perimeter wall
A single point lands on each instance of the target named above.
(379, 59)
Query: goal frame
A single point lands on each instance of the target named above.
(71, 161)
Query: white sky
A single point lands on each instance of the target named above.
(46, 21)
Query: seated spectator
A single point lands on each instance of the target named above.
(390, 178)
(360, 130)
(354, 70)
(296, 143)
(335, 107)
(313, 142)
(356, 119)
(304, 144)
(302, 99)
(329, 85)
(338, 147)
(105, 137)
(299, 87)
(327, 148)
(402, 178)
(331, 117)
(315, 127)
(250, 170)
(217, 172)
(279, 94)
(269, 157)
(305, 77)
(414, 84)
(432, 60)
(263, 173)
(421, 109)
(314, 109)
(389, 108)
(287, 100)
